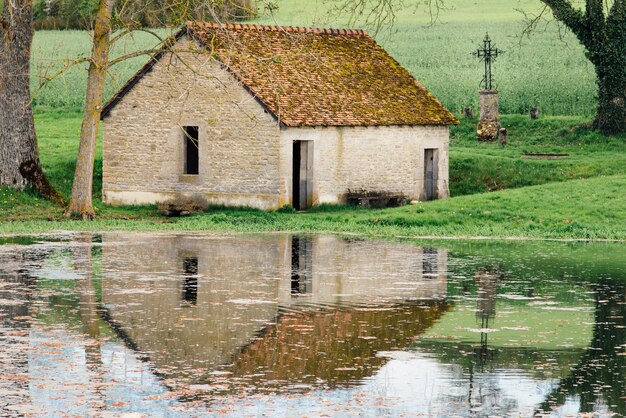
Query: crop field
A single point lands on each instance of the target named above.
(548, 70)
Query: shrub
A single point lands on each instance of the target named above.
(183, 205)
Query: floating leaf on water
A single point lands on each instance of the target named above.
(251, 301)
(481, 330)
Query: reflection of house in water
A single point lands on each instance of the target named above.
(301, 266)
(272, 306)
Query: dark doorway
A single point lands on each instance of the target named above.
(302, 175)
(430, 173)
(190, 281)
(301, 266)
(192, 154)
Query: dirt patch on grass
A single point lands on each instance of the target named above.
(546, 156)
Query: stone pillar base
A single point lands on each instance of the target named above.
(489, 123)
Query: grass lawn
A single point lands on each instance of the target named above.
(593, 207)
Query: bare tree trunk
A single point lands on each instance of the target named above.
(19, 155)
(81, 201)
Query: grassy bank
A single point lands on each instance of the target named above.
(482, 167)
(594, 206)
(588, 209)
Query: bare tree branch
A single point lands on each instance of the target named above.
(532, 20)
(133, 55)
(60, 72)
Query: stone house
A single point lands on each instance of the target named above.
(265, 116)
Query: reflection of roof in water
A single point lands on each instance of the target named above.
(332, 347)
(316, 347)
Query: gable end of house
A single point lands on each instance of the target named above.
(154, 60)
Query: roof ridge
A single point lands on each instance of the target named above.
(276, 28)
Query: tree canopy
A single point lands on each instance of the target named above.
(80, 14)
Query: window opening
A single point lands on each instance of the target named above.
(190, 281)
(192, 154)
(429, 263)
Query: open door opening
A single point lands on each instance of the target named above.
(431, 171)
(302, 187)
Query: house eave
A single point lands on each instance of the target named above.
(117, 97)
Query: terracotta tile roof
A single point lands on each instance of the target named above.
(322, 77)
(316, 77)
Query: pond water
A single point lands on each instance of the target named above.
(280, 325)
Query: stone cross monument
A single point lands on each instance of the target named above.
(489, 123)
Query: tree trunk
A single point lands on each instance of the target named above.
(19, 155)
(610, 63)
(611, 114)
(81, 202)
(601, 28)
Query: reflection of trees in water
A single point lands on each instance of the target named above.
(599, 377)
(479, 376)
(16, 293)
(479, 388)
(82, 257)
(17, 290)
(598, 380)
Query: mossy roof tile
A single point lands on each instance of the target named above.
(319, 77)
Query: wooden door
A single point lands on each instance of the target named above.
(430, 174)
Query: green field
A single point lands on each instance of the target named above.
(541, 71)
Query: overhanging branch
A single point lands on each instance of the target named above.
(570, 16)
(133, 55)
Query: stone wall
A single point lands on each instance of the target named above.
(375, 159)
(144, 143)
